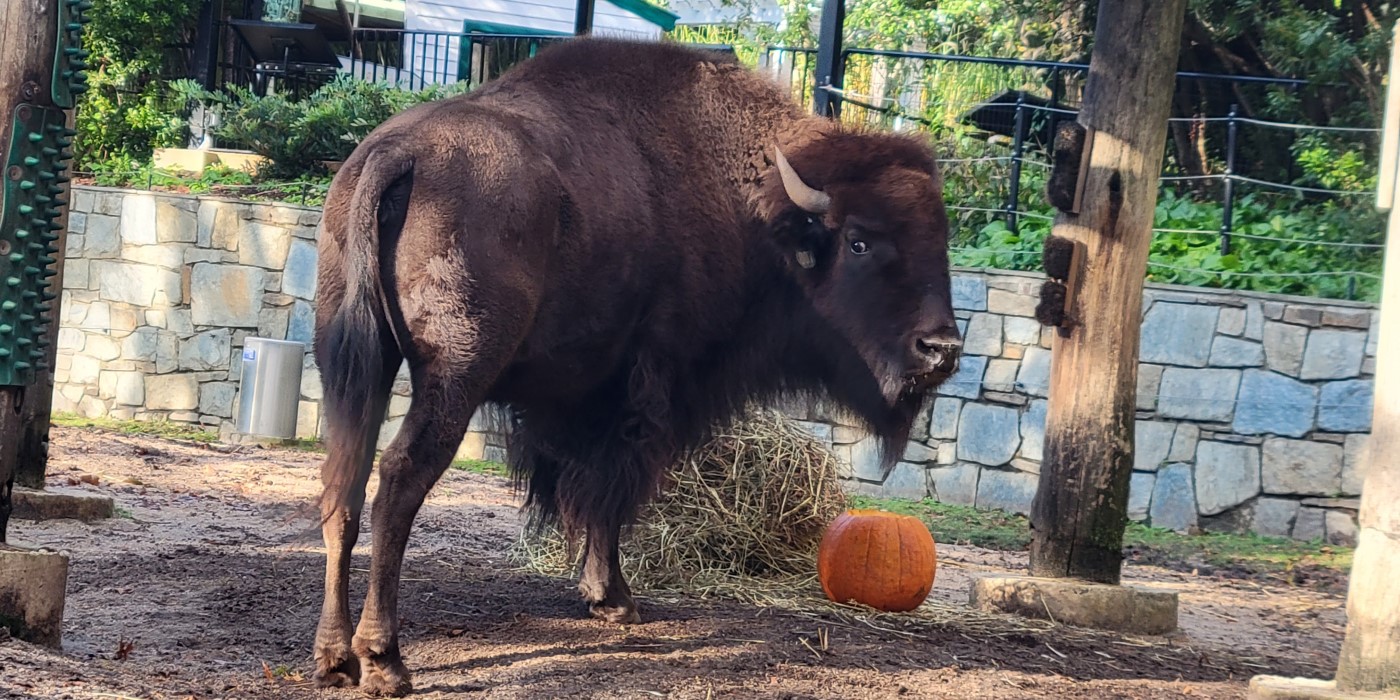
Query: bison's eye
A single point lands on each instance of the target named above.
(859, 247)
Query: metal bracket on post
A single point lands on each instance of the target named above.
(38, 155)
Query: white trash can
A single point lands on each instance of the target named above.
(270, 387)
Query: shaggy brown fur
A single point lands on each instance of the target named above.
(599, 241)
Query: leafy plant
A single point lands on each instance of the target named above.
(296, 136)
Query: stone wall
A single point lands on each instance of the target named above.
(1253, 409)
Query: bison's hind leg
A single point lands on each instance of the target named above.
(602, 583)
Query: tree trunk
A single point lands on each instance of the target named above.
(1080, 508)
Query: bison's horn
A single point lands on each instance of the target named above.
(803, 195)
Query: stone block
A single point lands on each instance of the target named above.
(83, 199)
(76, 274)
(1184, 443)
(71, 339)
(180, 322)
(1232, 321)
(301, 324)
(906, 481)
(308, 420)
(1341, 528)
(840, 434)
(139, 219)
(84, 370)
(170, 256)
(988, 435)
(1345, 407)
(1021, 331)
(1226, 476)
(969, 293)
(125, 319)
(1333, 354)
(1302, 467)
(206, 351)
(261, 245)
(1198, 394)
(109, 203)
(218, 225)
(821, 432)
(865, 460)
(1233, 352)
(299, 278)
(60, 504)
(943, 420)
(967, 381)
(101, 347)
(1373, 338)
(1283, 347)
(217, 398)
(983, 335)
(1000, 375)
(1033, 430)
(311, 383)
(1178, 334)
(389, 432)
(1010, 491)
(1011, 303)
(1354, 463)
(272, 323)
(32, 588)
(129, 388)
(1310, 525)
(955, 485)
(226, 295)
(1034, 377)
(172, 392)
(1303, 315)
(1274, 517)
(1149, 382)
(1347, 318)
(919, 453)
(1152, 441)
(135, 284)
(1127, 609)
(175, 224)
(1173, 499)
(1140, 495)
(1271, 403)
(1253, 320)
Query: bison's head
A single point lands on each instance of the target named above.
(860, 217)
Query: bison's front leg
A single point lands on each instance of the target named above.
(602, 583)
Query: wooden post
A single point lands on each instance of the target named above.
(1080, 507)
(1370, 657)
(29, 34)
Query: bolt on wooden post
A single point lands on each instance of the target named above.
(1080, 509)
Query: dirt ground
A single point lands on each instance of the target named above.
(209, 586)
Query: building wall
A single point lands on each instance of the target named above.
(535, 15)
(1253, 409)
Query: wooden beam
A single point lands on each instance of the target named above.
(1080, 508)
(1370, 658)
(28, 35)
(830, 68)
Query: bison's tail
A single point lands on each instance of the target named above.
(358, 349)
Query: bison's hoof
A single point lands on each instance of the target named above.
(386, 680)
(336, 670)
(616, 614)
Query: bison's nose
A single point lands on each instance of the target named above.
(941, 351)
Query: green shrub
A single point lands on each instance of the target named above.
(296, 136)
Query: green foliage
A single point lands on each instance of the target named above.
(297, 135)
(157, 428)
(127, 110)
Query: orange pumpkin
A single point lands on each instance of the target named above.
(884, 560)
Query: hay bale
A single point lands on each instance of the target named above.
(751, 505)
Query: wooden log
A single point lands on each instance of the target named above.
(1080, 508)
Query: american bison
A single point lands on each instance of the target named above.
(623, 244)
